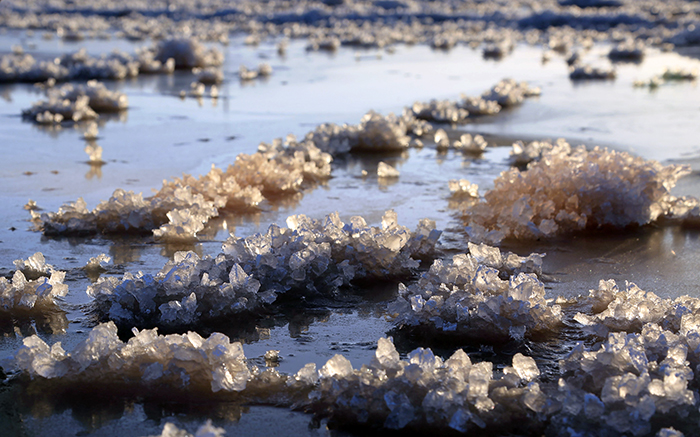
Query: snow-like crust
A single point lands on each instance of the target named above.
(163, 58)
(329, 24)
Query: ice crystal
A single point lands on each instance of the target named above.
(573, 190)
(206, 430)
(588, 72)
(463, 188)
(181, 209)
(423, 390)
(187, 53)
(627, 51)
(148, 359)
(77, 103)
(465, 298)
(183, 206)
(384, 170)
(163, 58)
(669, 75)
(313, 257)
(506, 93)
(33, 289)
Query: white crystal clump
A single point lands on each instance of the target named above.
(187, 52)
(34, 288)
(506, 93)
(522, 154)
(77, 103)
(423, 390)
(146, 360)
(162, 58)
(589, 72)
(182, 207)
(384, 170)
(206, 430)
(669, 75)
(568, 191)
(466, 299)
(463, 188)
(629, 50)
(310, 257)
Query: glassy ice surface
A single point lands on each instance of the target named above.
(173, 127)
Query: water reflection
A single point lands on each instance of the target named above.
(55, 129)
(659, 258)
(93, 409)
(43, 319)
(125, 250)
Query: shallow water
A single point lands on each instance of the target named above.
(162, 136)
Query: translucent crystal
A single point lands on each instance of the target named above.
(384, 170)
(558, 194)
(253, 271)
(525, 367)
(338, 366)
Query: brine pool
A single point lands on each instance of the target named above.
(162, 136)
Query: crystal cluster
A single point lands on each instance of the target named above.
(506, 93)
(384, 170)
(77, 103)
(162, 58)
(627, 51)
(631, 383)
(180, 362)
(499, 49)
(522, 154)
(463, 188)
(571, 190)
(183, 206)
(466, 299)
(187, 52)
(329, 24)
(310, 258)
(424, 390)
(669, 75)
(375, 133)
(128, 212)
(263, 70)
(463, 194)
(589, 72)
(209, 75)
(631, 379)
(206, 430)
(614, 310)
(34, 287)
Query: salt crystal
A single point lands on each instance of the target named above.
(384, 170)
(338, 366)
(386, 354)
(525, 367)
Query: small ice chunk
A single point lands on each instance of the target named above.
(384, 170)
(525, 367)
(338, 366)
